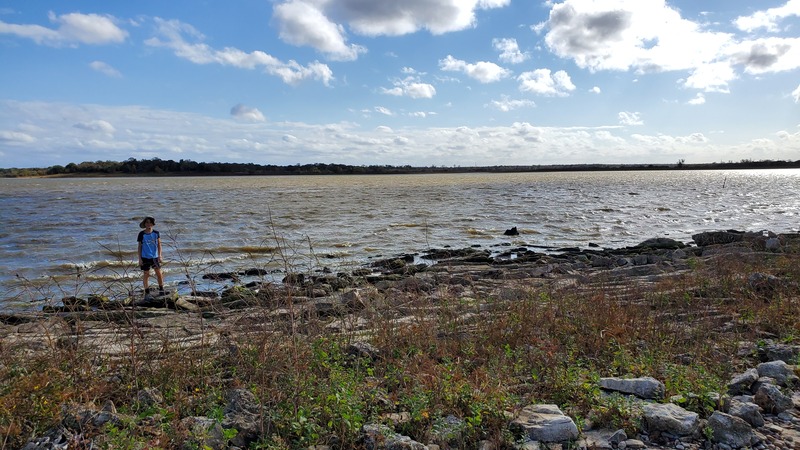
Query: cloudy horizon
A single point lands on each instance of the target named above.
(436, 82)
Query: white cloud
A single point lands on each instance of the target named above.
(642, 35)
(712, 77)
(483, 71)
(698, 99)
(171, 35)
(767, 55)
(796, 94)
(303, 24)
(105, 69)
(542, 82)
(247, 114)
(15, 138)
(73, 28)
(384, 111)
(507, 104)
(595, 90)
(99, 126)
(509, 51)
(651, 36)
(769, 18)
(630, 118)
(396, 18)
(411, 87)
(166, 134)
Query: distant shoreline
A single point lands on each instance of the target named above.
(169, 168)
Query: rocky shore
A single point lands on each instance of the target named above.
(761, 408)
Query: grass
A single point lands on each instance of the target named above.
(453, 350)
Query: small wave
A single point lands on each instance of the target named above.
(343, 245)
(406, 225)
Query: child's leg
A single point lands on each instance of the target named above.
(145, 279)
(159, 278)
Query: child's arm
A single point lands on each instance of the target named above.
(139, 251)
(159, 248)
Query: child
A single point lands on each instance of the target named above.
(150, 254)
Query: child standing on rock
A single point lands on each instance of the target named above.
(150, 254)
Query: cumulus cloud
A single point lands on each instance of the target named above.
(176, 36)
(509, 51)
(767, 55)
(105, 69)
(396, 18)
(303, 24)
(507, 104)
(630, 118)
(595, 90)
(651, 36)
(72, 29)
(483, 71)
(769, 18)
(383, 110)
(640, 35)
(699, 99)
(543, 82)
(411, 87)
(247, 114)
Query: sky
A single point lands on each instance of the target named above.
(417, 82)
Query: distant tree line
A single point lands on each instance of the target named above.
(161, 167)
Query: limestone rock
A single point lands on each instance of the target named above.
(741, 384)
(783, 373)
(731, 430)
(545, 423)
(646, 387)
(670, 418)
(772, 400)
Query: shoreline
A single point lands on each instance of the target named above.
(602, 295)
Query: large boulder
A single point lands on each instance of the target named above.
(772, 400)
(744, 408)
(742, 383)
(646, 387)
(670, 418)
(731, 430)
(545, 423)
(782, 373)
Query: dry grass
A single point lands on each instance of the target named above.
(462, 351)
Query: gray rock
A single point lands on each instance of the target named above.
(783, 373)
(647, 388)
(772, 400)
(243, 413)
(545, 423)
(717, 237)
(747, 410)
(379, 436)
(361, 349)
(742, 383)
(149, 397)
(670, 418)
(731, 430)
(203, 432)
(618, 437)
(778, 352)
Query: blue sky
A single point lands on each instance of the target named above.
(419, 82)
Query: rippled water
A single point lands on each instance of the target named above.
(65, 236)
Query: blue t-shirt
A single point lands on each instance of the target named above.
(149, 244)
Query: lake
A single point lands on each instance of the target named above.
(70, 236)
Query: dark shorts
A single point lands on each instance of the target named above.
(149, 263)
